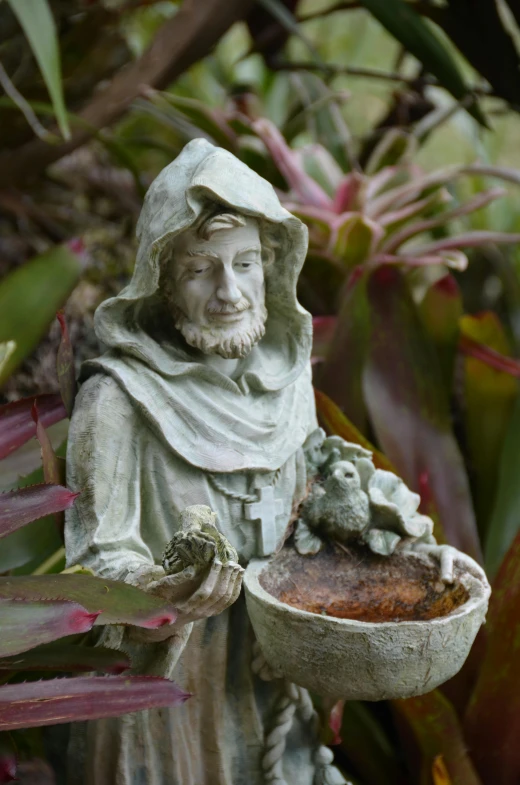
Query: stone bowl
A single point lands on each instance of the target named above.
(349, 624)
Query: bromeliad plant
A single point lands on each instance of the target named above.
(38, 610)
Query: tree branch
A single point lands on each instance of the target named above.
(183, 40)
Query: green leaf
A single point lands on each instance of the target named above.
(67, 657)
(118, 602)
(36, 19)
(354, 238)
(30, 297)
(489, 398)
(492, 722)
(418, 38)
(440, 311)
(436, 728)
(408, 407)
(505, 520)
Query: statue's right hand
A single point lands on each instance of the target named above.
(197, 594)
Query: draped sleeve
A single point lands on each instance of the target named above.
(104, 463)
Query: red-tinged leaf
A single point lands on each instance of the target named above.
(440, 311)
(418, 186)
(392, 219)
(408, 406)
(489, 398)
(118, 602)
(65, 366)
(468, 240)
(28, 624)
(335, 718)
(436, 728)
(307, 189)
(489, 357)
(65, 657)
(334, 421)
(346, 196)
(323, 328)
(8, 761)
(51, 702)
(340, 375)
(492, 723)
(17, 425)
(23, 505)
(427, 224)
(454, 259)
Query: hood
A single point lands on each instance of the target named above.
(200, 175)
(254, 422)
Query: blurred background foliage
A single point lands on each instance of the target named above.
(390, 128)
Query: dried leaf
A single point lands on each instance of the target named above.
(65, 366)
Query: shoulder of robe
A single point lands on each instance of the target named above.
(101, 403)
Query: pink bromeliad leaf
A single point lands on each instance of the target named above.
(54, 701)
(23, 505)
(307, 189)
(16, 424)
(28, 624)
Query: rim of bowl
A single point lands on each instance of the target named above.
(478, 590)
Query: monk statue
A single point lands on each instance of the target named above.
(192, 442)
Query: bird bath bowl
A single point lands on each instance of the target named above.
(353, 625)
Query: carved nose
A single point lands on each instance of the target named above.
(228, 291)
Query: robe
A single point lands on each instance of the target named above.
(134, 488)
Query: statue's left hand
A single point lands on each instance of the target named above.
(197, 594)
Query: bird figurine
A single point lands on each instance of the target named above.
(338, 508)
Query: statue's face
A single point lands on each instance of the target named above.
(216, 289)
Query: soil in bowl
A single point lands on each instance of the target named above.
(354, 583)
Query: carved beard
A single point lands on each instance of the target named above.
(230, 342)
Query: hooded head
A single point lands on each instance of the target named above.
(260, 417)
(202, 182)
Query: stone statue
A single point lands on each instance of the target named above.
(193, 440)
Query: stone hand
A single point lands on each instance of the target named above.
(197, 594)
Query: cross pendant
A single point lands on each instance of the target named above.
(265, 511)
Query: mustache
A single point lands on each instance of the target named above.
(242, 305)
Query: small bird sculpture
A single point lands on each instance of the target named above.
(338, 509)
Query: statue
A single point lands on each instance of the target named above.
(193, 439)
